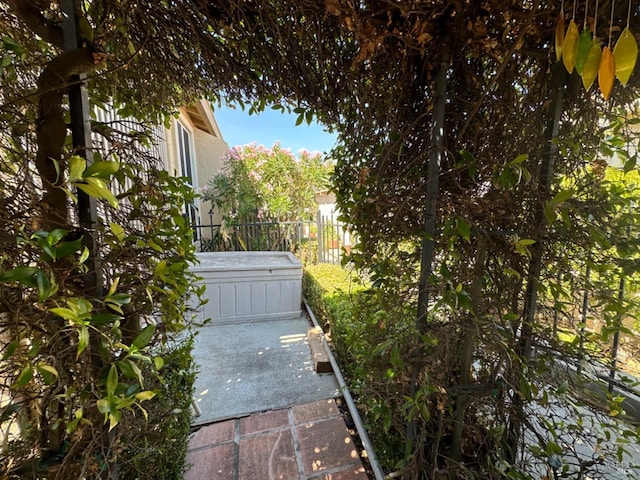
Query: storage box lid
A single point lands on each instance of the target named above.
(224, 261)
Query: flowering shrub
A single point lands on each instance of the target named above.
(268, 184)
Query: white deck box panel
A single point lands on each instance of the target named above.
(250, 286)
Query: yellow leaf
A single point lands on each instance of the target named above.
(625, 54)
(584, 45)
(559, 37)
(77, 165)
(606, 73)
(591, 66)
(570, 47)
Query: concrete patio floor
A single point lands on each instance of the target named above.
(254, 367)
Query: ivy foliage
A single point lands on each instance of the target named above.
(91, 317)
(469, 384)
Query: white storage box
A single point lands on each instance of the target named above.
(250, 286)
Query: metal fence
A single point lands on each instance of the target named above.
(322, 240)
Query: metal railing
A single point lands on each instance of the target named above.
(322, 240)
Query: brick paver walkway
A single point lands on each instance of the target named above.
(303, 442)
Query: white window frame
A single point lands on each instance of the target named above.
(184, 149)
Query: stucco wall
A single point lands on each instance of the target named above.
(209, 152)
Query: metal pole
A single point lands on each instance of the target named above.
(558, 77)
(320, 237)
(554, 332)
(583, 318)
(80, 113)
(618, 324)
(616, 336)
(436, 144)
(433, 177)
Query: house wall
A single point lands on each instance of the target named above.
(209, 153)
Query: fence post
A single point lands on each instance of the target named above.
(211, 225)
(583, 317)
(616, 336)
(320, 238)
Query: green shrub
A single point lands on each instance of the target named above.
(307, 252)
(156, 449)
(367, 341)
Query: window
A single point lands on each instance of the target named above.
(187, 169)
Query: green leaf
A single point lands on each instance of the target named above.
(102, 169)
(118, 231)
(563, 387)
(80, 305)
(65, 313)
(553, 448)
(145, 395)
(9, 43)
(112, 380)
(300, 119)
(25, 376)
(64, 249)
(129, 369)
(21, 274)
(114, 419)
(44, 287)
(584, 45)
(519, 159)
(104, 406)
(550, 214)
(77, 166)
(158, 362)
(96, 188)
(104, 318)
(11, 349)
(113, 287)
(144, 337)
(49, 373)
(8, 411)
(71, 426)
(118, 299)
(630, 164)
(521, 246)
(56, 235)
(83, 340)
(562, 196)
(525, 242)
(463, 228)
(83, 256)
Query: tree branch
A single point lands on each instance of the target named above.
(51, 128)
(30, 13)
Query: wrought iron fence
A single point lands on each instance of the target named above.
(322, 240)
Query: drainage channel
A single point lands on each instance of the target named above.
(362, 432)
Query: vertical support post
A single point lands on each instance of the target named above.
(433, 177)
(80, 112)
(547, 166)
(616, 336)
(320, 237)
(554, 331)
(211, 228)
(583, 316)
(436, 152)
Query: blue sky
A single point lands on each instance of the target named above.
(270, 126)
